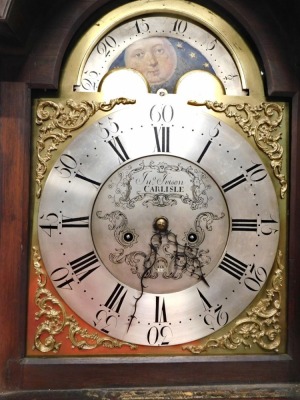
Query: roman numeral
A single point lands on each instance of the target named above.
(254, 225)
(84, 178)
(256, 173)
(116, 299)
(213, 134)
(246, 225)
(85, 265)
(162, 138)
(204, 151)
(82, 267)
(234, 182)
(233, 266)
(160, 310)
(118, 148)
(78, 222)
(53, 221)
(207, 306)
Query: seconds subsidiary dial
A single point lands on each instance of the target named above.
(158, 224)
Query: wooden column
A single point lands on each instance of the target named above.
(15, 110)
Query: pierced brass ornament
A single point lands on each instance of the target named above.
(261, 326)
(56, 320)
(57, 121)
(261, 122)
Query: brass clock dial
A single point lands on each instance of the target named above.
(162, 48)
(143, 222)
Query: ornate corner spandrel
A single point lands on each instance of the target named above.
(55, 321)
(262, 122)
(260, 326)
(57, 122)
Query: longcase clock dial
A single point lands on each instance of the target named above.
(143, 222)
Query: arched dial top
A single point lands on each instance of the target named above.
(162, 48)
(159, 223)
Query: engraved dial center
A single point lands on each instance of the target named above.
(162, 218)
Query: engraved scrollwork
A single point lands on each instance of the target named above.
(154, 179)
(261, 122)
(167, 255)
(56, 122)
(56, 320)
(205, 218)
(261, 326)
(125, 236)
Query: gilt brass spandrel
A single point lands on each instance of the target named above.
(263, 123)
(257, 330)
(54, 320)
(56, 123)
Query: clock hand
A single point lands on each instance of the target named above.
(146, 271)
(160, 227)
(187, 254)
(186, 258)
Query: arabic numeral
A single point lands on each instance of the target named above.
(106, 45)
(216, 319)
(230, 77)
(108, 128)
(90, 80)
(49, 223)
(67, 165)
(159, 336)
(213, 134)
(141, 26)
(257, 278)
(180, 26)
(258, 173)
(105, 322)
(61, 279)
(163, 113)
(267, 229)
(211, 45)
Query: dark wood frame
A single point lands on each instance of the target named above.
(32, 59)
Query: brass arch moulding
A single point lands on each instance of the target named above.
(57, 122)
(260, 325)
(248, 68)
